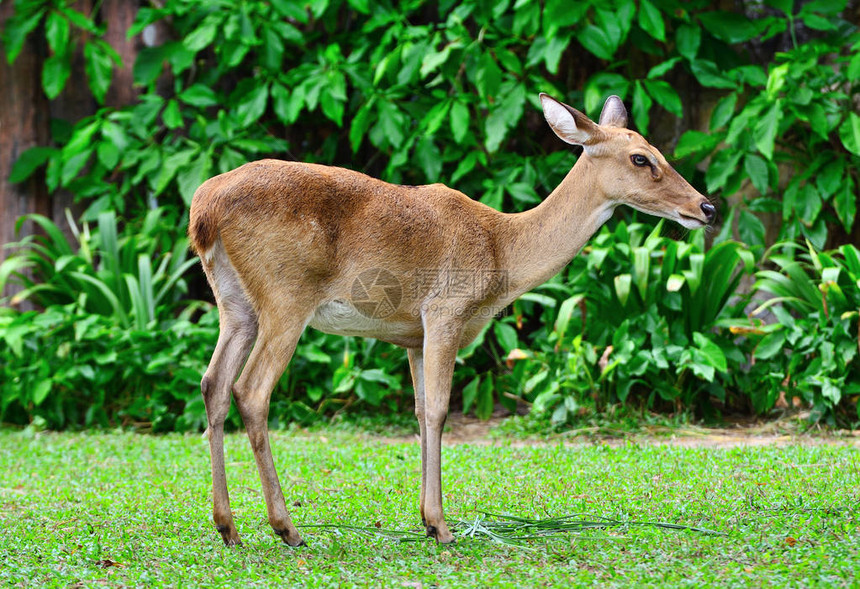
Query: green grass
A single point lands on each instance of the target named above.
(132, 510)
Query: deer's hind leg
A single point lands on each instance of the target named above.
(238, 332)
(278, 335)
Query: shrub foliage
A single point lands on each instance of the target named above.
(418, 92)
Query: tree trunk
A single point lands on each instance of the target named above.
(24, 123)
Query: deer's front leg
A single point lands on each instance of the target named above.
(441, 340)
(416, 367)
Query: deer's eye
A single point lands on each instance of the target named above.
(639, 160)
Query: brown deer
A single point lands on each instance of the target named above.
(286, 244)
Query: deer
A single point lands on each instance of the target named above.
(286, 245)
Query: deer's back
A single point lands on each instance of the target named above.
(308, 224)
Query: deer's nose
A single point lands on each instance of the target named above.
(709, 211)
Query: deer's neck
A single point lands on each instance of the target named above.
(546, 238)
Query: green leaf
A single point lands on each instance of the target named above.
(16, 30)
(99, 68)
(484, 409)
(171, 115)
(675, 282)
(662, 68)
(766, 129)
(391, 125)
(750, 229)
(666, 96)
(252, 105)
(428, 157)
(724, 111)
(731, 27)
(601, 85)
(286, 104)
(817, 22)
(770, 345)
(272, 54)
(783, 5)
(57, 32)
(776, 80)
(641, 107)
(506, 335)
(565, 313)
(561, 14)
(55, 72)
(148, 65)
(459, 121)
(433, 120)
(434, 60)
(622, 287)
(198, 95)
(41, 391)
(845, 204)
(505, 116)
(711, 352)
(291, 9)
(853, 70)
(74, 164)
(80, 20)
(190, 177)
(360, 122)
(596, 42)
(688, 37)
(28, 162)
(332, 107)
(849, 133)
(204, 34)
(170, 167)
(488, 77)
(756, 169)
(709, 75)
(830, 178)
(695, 142)
(651, 20)
(470, 393)
(108, 154)
(722, 166)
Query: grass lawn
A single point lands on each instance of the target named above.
(92, 510)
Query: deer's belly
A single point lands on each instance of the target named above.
(374, 320)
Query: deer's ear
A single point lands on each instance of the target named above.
(568, 123)
(613, 114)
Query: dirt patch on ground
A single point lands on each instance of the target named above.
(462, 429)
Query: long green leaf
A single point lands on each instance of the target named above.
(114, 302)
(144, 276)
(138, 305)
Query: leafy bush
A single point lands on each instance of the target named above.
(786, 137)
(419, 92)
(639, 324)
(809, 354)
(92, 372)
(121, 275)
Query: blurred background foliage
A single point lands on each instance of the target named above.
(754, 100)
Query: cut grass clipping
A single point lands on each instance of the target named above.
(510, 529)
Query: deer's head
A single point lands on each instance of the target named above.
(629, 170)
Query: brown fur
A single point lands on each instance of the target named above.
(287, 244)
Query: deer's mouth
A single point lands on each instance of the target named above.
(690, 222)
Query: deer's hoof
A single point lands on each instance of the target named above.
(229, 535)
(291, 538)
(441, 535)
